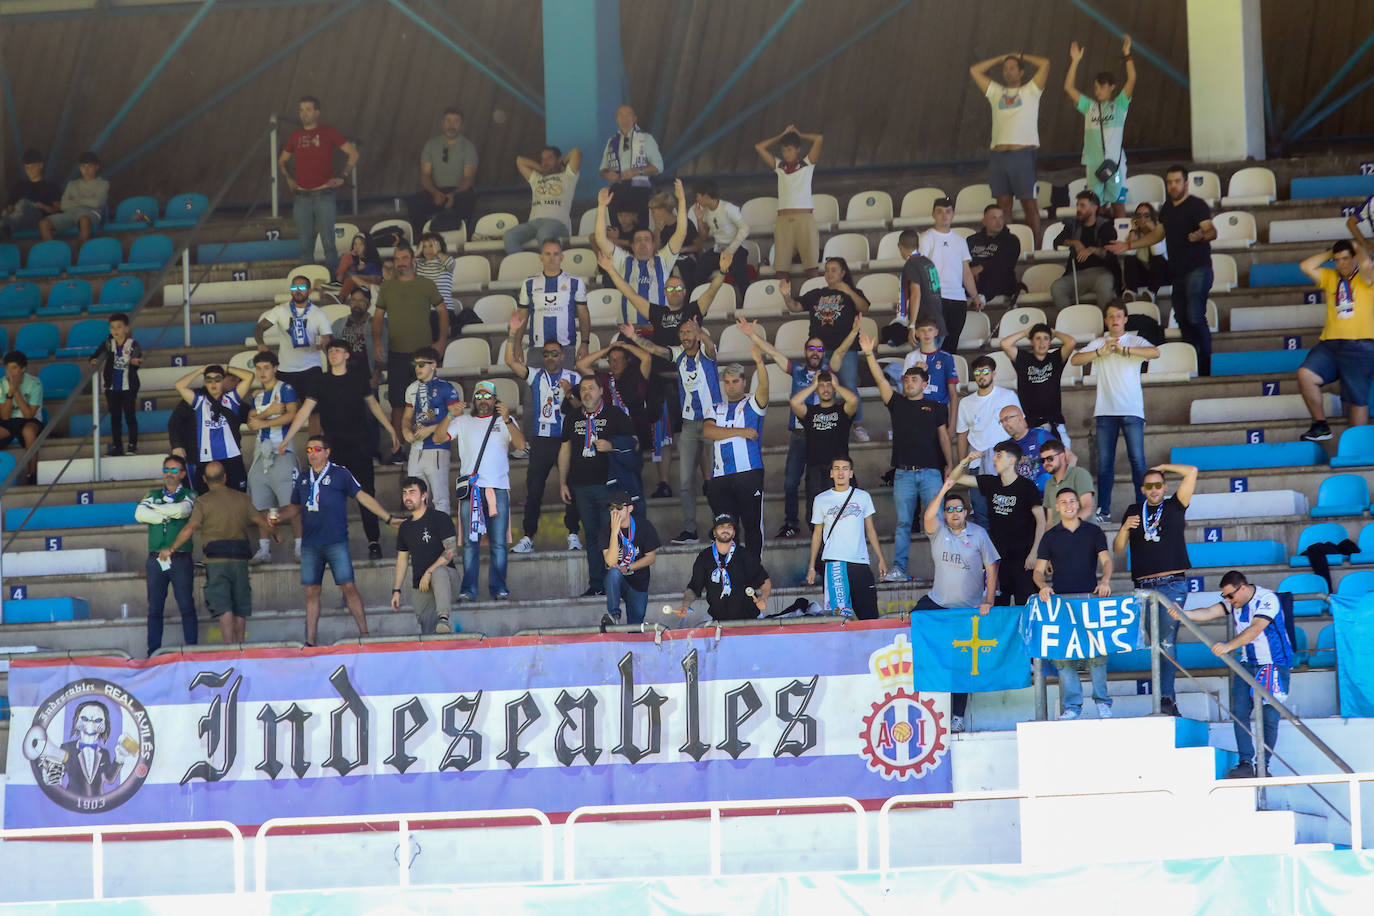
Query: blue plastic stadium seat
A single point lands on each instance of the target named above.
(118, 294)
(9, 259)
(46, 259)
(1236, 553)
(229, 334)
(1341, 494)
(1331, 186)
(1196, 655)
(1359, 582)
(1366, 542)
(1278, 275)
(38, 339)
(19, 300)
(79, 426)
(148, 252)
(59, 380)
(1324, 655)
(1355, 449)
(1271, 362)
(46, 610)
(83, 337)
(235, 252)
(4, 339)
(183, 210)
(1305, 584)
(98, 256)
(1262, 455)
(1322, 532)
(7, 463)
(66, 297)
(96, 515)
(129, 217)
(1299, 646)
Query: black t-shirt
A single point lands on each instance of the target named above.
(424, 541)
(1037, 385)
(997, 255)
(596, 468)
(634, 391)
(1095, 236)
(1011, 523)
(1170, 552)
(921, 271)
(340, 405)
(746, 571)
(1178, 221)
(645, 540)
(827, 432)
(665, 235)
(916, 431)
(833, 314)
(1073, 554)
(38, 192)
(665, 322)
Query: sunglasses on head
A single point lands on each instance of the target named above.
(1152, 486)
(299, 287)
(314, 448)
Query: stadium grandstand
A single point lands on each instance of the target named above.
(708, 415)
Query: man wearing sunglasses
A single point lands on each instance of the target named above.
(1154, 531)
(430, 402)
(550, 385)
(629, 161)
(305, 333)
(1265, 652)
(217, 408)
(448, 171)
(979, 423)
(643, 269)
(272, 474)
(166, 510)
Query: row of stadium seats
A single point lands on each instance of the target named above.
(97, 256)
(22, 300)
(1335, 533)
(135, 214)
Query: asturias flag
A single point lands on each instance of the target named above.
(957, 650)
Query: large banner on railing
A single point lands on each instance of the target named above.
(552, 723)
(1083, 628)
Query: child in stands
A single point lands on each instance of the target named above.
(121, 382)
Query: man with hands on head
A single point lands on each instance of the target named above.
(629, 546)
(217, 417)
(1016, 520)
(1015, 129)
(428, 542)
(550, 385)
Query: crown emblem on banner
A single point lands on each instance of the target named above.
(892, 663)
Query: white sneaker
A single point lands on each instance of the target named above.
(956, 724)
(574, 542)
(520, 453)
(263, 555)
(1104, 710)
(895, 575)
(298, 553)
(524, 545)
(1070, 714)
(861, 434)
(443, 626)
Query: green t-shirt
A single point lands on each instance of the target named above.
(1103, 123)
(1077, 479)
(407, 304)
(161, 535)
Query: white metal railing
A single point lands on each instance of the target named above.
(403, 822)
(713, 809)
(1351, 780)
(97, 835)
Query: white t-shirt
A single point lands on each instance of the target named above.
(1015, 114)
(794, 187)
(551, 196)
(468, 431)
(847, 542)
(1118, 379)
(947, 251)
(980, 417)
(301, 334)
(726, 226)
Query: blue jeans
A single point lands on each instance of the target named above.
(1190, 307)
(794, 474)
(1168, 635)
(497, 526)
(180, 577)
(909, 487)
(849, 378)
(1133, 429)
(1071, 688)
(539, 229)
(977, 507)
(593, 507)
(25, 215)
(1242, 705)
(314, 558)
(616, 589)
(314, 214)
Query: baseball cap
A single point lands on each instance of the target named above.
(724, 518)
(619, 498)
(483, 388)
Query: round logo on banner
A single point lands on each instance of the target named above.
(90, 746)
(903, 736)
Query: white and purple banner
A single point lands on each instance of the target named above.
(551, 723)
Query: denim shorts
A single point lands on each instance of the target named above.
(1011, 172)
(314, 557)
(1352, 361)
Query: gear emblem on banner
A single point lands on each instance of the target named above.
(903, 736)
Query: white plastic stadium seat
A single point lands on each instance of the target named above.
(1251, 187)
(317, 274)
(586, 225)
(489, 230)
(1277, 318)
(580, 262)
(1146, 307)
(761, 213)
(968, 206)
(1224, 274)
(756, 255)
(1037, 280)
(724, 303)
(851, 246)
(1177, 362)
(733, 346)
(889, 256)
(883, 291)
(604, 306)
(1258, 407)
(963, 231)
(867, 210)
(1021, 318)
(791, 337)
(916, 207)
(1235, 229)
(779, 384)
(332, 313)
(471, 272)
(1083, 322)
(1213, 318)
(514, 269)
(403, 225)
(762, 299)
(826, 211)
(1044, 193)
(809, 284)
(343, 236)
(1205, 184)
(1144, 189)
(975, 332)
(1049, 235)
(1078, 184)
(471, 354)
(1026, 237)
(495, 309)
(1320, 229)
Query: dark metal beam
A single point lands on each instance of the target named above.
(1300, 123)
(482, 50)
(1300, 129)
(9, 108)
(1137, 46)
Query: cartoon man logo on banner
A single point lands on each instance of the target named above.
(90, 746)
(904, 735)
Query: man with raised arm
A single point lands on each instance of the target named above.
(735, 431)
(1015, 103)
(1104, 123)
(552, 180)
(645, 270)
(825, 422)
(550, 385)
(1346, 348)
(794, 232)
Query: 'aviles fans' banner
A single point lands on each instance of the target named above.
(1083, 628)
(551, 723)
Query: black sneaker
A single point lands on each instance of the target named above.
(132, 449)
(399, 456)
(1244, 770)
(608, 621)
(374, 551)
(1318, 432)
(1169, 707)
(114, 451)
(686, 537)
(786, 531)
(662, 491)
(594, 592)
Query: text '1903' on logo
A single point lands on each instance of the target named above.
(90, 746)
(904, 734)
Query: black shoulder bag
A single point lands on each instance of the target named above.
(1107, 169)
(826, 540)
(462, 487)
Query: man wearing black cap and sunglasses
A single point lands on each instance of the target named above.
(629, 545)
(734, 582)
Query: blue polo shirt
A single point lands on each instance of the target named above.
(327, 524)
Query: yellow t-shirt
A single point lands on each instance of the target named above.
(1349, 308)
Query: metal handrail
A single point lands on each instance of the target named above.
(713, 809)
(97, 835)
(403, 822)
(1351, 780)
